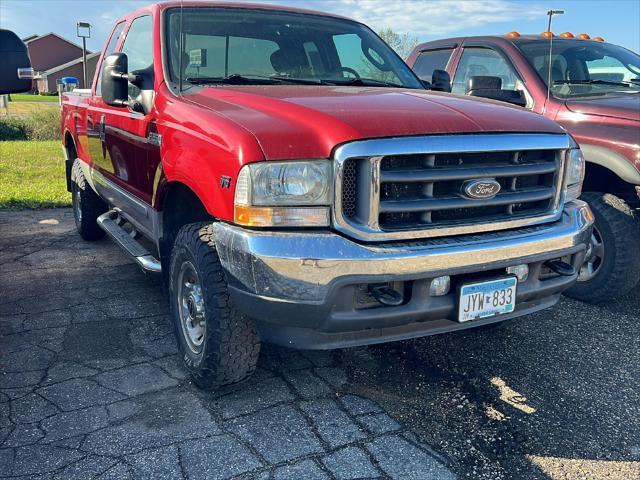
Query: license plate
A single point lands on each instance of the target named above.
(486, 299)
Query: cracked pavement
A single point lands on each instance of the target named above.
(91, 387)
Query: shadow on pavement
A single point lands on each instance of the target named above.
(90, 385)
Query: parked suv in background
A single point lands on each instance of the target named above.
(595, 95)
(294, 182)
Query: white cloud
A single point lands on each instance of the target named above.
(418, 17)
(435, 17)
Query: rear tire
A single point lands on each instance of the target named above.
(218, 344)
(87, 206)
(612, 266)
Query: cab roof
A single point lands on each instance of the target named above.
(160, 6)
(444, 42)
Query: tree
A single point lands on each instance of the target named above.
(402, 43)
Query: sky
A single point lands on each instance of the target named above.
(618, 21)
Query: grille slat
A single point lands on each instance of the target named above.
(450, 203)
(426, 191)
(447, 174)
(418, 187)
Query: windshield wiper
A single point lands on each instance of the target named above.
(301, 81)
(590, 82)
(237, 79)
(234, 79)
(365, 82)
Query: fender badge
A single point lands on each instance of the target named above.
(225, 181)
(155, 139)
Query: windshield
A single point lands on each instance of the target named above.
(584, 68)
(247, 46)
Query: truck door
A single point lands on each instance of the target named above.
(99, 157)
(124, 157)
(433, 59)
(484, 61)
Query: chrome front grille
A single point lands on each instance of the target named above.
(413, 187)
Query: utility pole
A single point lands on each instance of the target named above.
(551, 13)
(84, 32)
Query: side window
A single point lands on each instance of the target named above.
(211, 56)
(314, 58)
(138, 46)
(431, 60)
(482, 62)
(609, 69)
(352, 57)
(111, 48)
(206, 56)
(251, 56)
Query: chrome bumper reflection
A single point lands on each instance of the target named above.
(302, 266)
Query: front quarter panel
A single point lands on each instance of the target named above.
(199, 147)
(611, 142)
(73, 120)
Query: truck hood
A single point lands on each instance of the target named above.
(309, 121)
(626, 106)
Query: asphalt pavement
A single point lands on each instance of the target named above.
(91, 387)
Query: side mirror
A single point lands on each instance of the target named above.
(115, 82)
(441, 81)
(491, 87)
(16, 73)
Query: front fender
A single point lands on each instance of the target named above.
(199, 149)
(611, 160)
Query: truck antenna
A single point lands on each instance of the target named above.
(550, 13)
(181, 47)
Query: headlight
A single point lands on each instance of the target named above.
(574, 173)
(286, 194)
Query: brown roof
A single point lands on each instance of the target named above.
(34, 38)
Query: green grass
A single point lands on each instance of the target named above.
(21, 109)
(32, 175)
(25, 97)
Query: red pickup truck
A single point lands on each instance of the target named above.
(292, 180)
(595, 95)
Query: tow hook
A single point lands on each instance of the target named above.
(560, 267)
(386, 295)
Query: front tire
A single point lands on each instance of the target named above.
(612, 264)
(87, 206)
(218, 344)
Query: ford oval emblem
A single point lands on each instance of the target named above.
(481, 189)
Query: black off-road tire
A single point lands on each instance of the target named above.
(231, 345)
(87, 206)
(619, 230)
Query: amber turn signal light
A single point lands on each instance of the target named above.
(250, 216)
(513, 35)
(546, 34)
(566, 35)
(584, 36)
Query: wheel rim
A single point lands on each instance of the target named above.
(191, 307)
(77, 206)
(594, 259)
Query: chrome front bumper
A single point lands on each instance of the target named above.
(307, 279)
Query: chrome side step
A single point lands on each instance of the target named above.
(111, 222)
